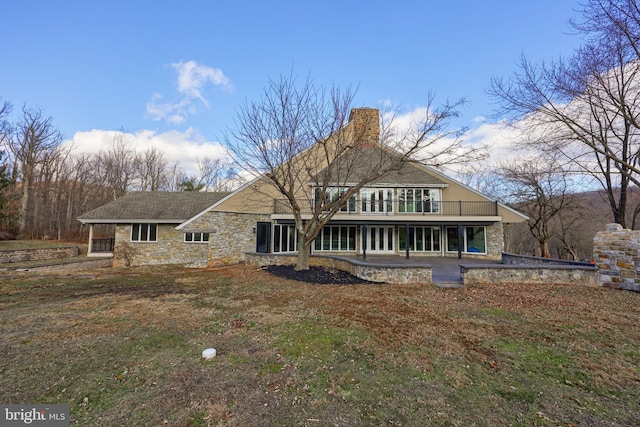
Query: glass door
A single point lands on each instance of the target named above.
(379, 239)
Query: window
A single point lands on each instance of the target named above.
(285, 238)
(196, 237)
(336, 238)
(419, 200)
(376, 200)
(421, 239)
(332, 194)
(473, 240)
(144, 232)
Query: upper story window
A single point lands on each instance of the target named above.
(332, 194)
(196, 237)
(144, 232)
(376, 200)
(419, 200)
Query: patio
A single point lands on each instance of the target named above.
(444, 270)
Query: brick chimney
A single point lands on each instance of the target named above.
(366, 125)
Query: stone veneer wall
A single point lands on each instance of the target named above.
(495, 241)
(616, 252)
(380, 273)
(21, 255)
(516, 259)
(529, 274)
(231, 235)
(170, 248)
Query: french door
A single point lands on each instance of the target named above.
(379, 239)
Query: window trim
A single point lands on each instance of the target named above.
(202, 236)
(151, 231)
(465, 248)
(435, 243)
(334, 233)
(279, 242)
(333, 193)
(376, 201)
(432, 199)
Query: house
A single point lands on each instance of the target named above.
(412, 211)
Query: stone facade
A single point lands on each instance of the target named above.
(231, 235)
(529, 274)
(495, 241)
(516, 259)
(170, 248)
(616, 252)
(366, 125)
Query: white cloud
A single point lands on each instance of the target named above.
(186, 147)
(500, 138)
(192, 80)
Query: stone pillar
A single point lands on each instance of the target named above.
(616, 252)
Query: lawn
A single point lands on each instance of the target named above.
(123, 348)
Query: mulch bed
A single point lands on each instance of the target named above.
(317, 275)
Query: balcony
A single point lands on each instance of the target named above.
(399, 207)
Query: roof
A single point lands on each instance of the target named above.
(352, 167)
(167, 207)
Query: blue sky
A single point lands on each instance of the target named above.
(172, 73)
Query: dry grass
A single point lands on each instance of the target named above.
(123, 348)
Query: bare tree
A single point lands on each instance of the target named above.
(586, 108)
(153, 170)
(541, 189)
(118, 166)
(296, 135)
(5, 181)
(215, 174)
(175, 177)
(34, 140)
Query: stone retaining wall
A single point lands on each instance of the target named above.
(379, 273)
(515, 259)
(533, 274)
(616, 252)
(23, 255)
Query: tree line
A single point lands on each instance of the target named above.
(45, 185)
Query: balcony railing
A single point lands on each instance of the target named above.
(399, 207)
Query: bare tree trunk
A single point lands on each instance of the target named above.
(303, 256)
(24, 205)
(544, 249)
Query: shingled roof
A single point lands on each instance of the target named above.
(357, 164)
(167, 207)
